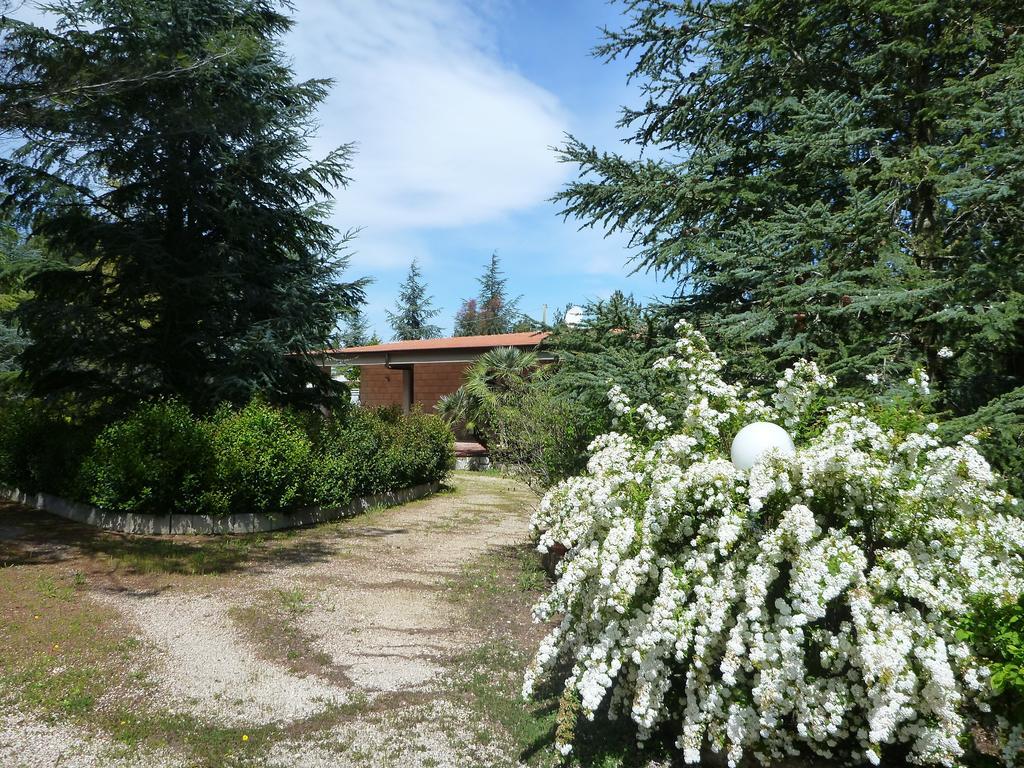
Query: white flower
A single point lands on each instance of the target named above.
(797, 389)
(920, 381)
(945, 353)
(806, 605)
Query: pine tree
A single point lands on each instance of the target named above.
(832, 180)
(618, 342)
(163, 160)
(492, 312)
(18, 262)
(355, 330)
(414, 310)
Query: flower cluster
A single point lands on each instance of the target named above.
(920, 381)
(797, 389)
(806, 606)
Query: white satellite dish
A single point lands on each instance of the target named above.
(573, 316)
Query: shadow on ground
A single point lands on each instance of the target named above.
(32, 537)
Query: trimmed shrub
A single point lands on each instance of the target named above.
(372, 451)
(262, 460)
(348, 452)
(160, 458)
(542, 437)
(157, 460)
(423, 450)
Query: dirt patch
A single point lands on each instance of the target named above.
(330, 646)
(432, 734)
(271, 625)
(202, 664)
(385, 639)
(381, 614)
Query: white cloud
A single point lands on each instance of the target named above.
(382, 251)
(448, 134)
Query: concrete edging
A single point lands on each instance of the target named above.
(472, 463)
(249, 522)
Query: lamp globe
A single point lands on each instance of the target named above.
(756, 440)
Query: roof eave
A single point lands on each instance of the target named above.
(409, 357)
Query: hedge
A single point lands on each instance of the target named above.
(160, 458)
(263, 460)
(41, 448)
(376, 451)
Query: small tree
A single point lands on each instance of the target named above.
(355, 330)
(467, 319)
(618, 340)
(498, 376)
(492, 312)
(414, 310)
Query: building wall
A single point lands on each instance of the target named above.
(431, 380)
(379, 385)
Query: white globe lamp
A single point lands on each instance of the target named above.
(756, 440)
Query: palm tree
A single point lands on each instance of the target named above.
(456, 409)
(492, 382)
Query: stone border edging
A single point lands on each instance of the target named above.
(248, 522)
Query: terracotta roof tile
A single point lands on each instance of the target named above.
(528, 339)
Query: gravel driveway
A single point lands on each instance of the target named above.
(333, 646)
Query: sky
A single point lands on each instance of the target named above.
(455, 107)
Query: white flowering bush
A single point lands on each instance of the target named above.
(807, 606)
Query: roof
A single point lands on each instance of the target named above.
(528, 339)
(451, 349)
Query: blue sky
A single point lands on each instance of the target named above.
(455, 105)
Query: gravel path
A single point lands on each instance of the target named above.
(205, 665)
(379, 612)
(27, 742)
(370, 606)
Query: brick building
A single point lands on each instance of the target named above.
(410, 373)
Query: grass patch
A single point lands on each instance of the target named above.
(48, 587)
(207, 745)
(64, 658)
(58, 650)
(47, 682)
(488, 682)
(511, 575)
(496, 592)
(292, 600)
(271, 625)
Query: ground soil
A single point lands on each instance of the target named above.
(371, 641)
